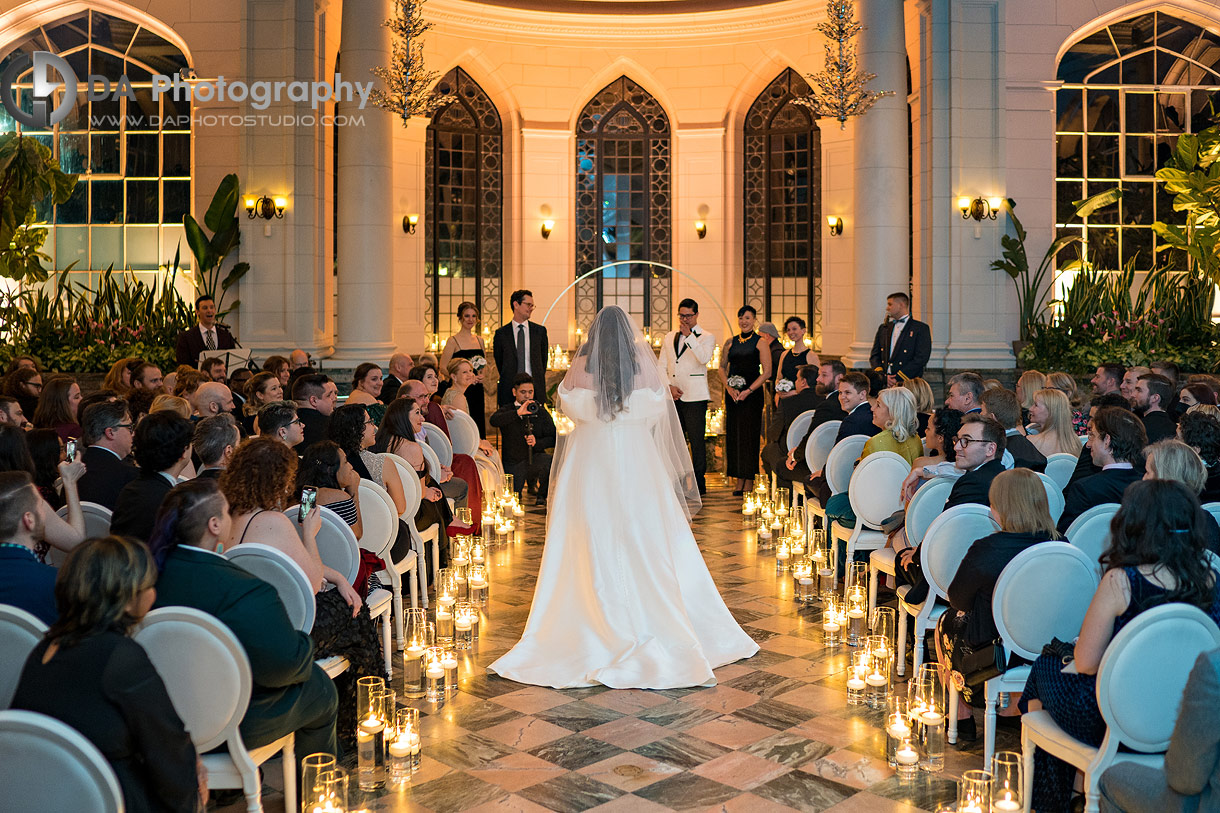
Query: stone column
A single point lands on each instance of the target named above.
(365, 216)
(882, 215)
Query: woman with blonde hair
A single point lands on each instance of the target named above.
(467, 344)
(171, 403)
(1172, 459)
(925, 402)
(461, 375)
(1067, 385)
(1051, 413)
(1019, 504)
(1027, 386)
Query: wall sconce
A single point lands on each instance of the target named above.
(265, 207)
(979, 208)
(835, 224)
(700, 229)
(547, 227)
(409, 222)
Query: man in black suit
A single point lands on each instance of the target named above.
(214, 441)
(163, 450)
(520, 347)
(290, 693)
(400, 367)
(853, 398)
(107, 430)
(524, 435)
(1084, 463)
(795, 469)
(804, 398)
(1151, 397)
(1003, 406)
(965, 393)
(316, 396)
(207, 335)
(1116, 442)
(903, 344)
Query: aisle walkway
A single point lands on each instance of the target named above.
(775, 735)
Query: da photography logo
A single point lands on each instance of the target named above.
(41, 115)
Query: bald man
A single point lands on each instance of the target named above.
(212, 398)
(400, 365)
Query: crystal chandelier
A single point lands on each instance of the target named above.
(838, 92)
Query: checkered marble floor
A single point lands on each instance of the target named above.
(774, 735)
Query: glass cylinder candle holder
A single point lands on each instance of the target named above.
(878, 678)
(1008, 786)
(782, 555)
(856, 610)
(444, 621)
(748, 510)
(463, 638)
(370, 732)
(449, 662)
(906, 759)
(823, 571)
(765, 539)
(856, 674)
(478, 553)
(509, 491)
(832, 628)
(974, 791)
(462, 516)
(801, 567)
(416, 630)
(933, 718)
(404, 749)
(882, 623)
(518, 510)
(332, 792)
(856, 581)
(897, 725)
(434, 674)
(478, 585)
(796, 542)
(313, 767)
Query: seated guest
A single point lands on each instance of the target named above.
(1067, 385)
(1201, 432)
(894, 415)
(366, 388)
(171, 403)
(118, 378)
(1051, 424)
(1189, 780)
(456, 488)
(461, 376)
(397, 436)
(526, 431)
(1084, 463)
(163, 451)
(290, 694)
(139, 403)
(924, 402)
(15, 457)
(1173, 460)
(315, 395)
(400, 367)
(25, 386)
(1151, 397)
(145, 376)
(280, 367)
(1132, 376)
(803, 398)
(1002, 405)
(213, 369)
(301, 365)
(237, 385)
(46, 453)
(11, 413)
(1116, 443)
(938, 438)
(215, 439)
(58, 408)
(325, 467)
(1193, 394)
(795, 468)
(853, 398)
(25, 582)
(965, 393)
(212, 398)
(1027, 387)
(259, 484)
(351, 427)
(89, 674)
(1019, 505)
(1157, 555)
(279, 420)
(261, 389)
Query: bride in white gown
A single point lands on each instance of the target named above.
(623, 597)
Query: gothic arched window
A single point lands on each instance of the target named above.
(783, 206)
(133, 155)
(464, 207)
(623, 205)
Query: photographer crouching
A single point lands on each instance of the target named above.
(526, 431)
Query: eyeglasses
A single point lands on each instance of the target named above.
(295, 421)
(370, 422)
(965, 442)
(123, 426)
(685, 316)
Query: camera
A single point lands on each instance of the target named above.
(531, 408)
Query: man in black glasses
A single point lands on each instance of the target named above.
(107, 429)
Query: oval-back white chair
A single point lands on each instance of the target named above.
(1139, 688)
(1213, 508)
(433, 460)
(97, 523)
(842, 462)
(1054, 495)
(874, 492)
(1043, 593)
(798, 428)
(381, 519)
(820, 443)
(337, 544)
(20, 632)
(50, 767)
(1059, 467)
(439, 442)
(1091, 531)
(463, 433)
(278, 569)
(926, 505)
(944, 544)
(413, 489)
(207, 675)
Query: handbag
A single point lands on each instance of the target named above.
(1061, 651)
(979, 664)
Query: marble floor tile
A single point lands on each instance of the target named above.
(678, 715)
(628, 732)
(868, 803)
(747, 803)
(629, 701)
(682, 750)
(814, 698)
(509, 804)
(579, 715)
(775, 714)
(454, 793)
(524, 733)
(517, 771)
(575, 751)
(469, 751)
(480, 715)
(629, 771)
(741, 770)
(804, 792)
(629, 803)
(687, 791)
(764, 684)
(722, 699)
(531, 699)
(786, 748)
(849, 768)
(731, 732)
(571, 793)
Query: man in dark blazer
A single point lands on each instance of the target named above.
(524, 436)
(805, 398)
(1084, 463)
(315, 395)
(107, 430)
(1116, 443)
(1150, 399)
(1003, 406)
(163, 450)
(794, 468)
(853, 398)
(903, 344)
(290, 693)
(400, 367)
(520, 347)
(25, 582)
(207, 335)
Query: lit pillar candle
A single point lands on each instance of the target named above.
(450, 664)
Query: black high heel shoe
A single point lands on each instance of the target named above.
(967, 732)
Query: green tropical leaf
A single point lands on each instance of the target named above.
(224, 203)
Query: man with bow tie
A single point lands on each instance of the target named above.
(903, 344)
(684, 355)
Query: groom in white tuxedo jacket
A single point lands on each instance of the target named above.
(685, 354)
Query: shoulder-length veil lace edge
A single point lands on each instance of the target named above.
(613, 363)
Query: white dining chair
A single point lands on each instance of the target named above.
(925, 506)
(1091, 531)
(97, 523)
(816, 450)
(379, 517)
(413, 489)
(1054, 495)
(20, 632)
(1059, 467)
(798, 429)
(840, 463)
(875, 493)
(440, 443)
(463, 433)
(50, 767)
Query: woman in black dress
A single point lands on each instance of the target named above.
(793, 358)
(745, 366)
(466, 344)
(89, 674)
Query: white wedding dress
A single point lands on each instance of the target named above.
(623, 597)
